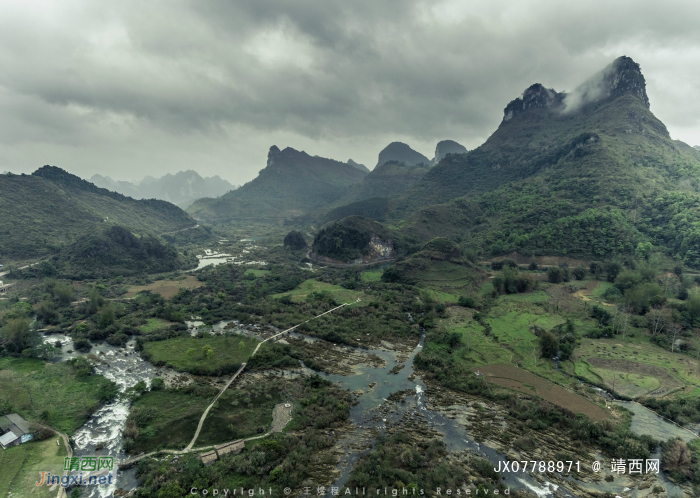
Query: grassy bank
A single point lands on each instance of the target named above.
(21, 467)
(54, 394)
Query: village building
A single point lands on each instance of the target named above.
(14, 430)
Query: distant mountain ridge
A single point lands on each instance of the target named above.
(181, 189)
(45, 211)
(292, 184)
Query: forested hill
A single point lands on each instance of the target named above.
(591, 173)
(292, 184)
(48, 209)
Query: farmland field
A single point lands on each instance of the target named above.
(166, 288)
(340, 294)
(635, 366)
(519, 380)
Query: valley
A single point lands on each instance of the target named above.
(413, 327)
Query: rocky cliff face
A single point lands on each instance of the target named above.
(536, 96)
(400, 152)
(447, 147)
(622, 77)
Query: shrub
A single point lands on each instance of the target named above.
(466, 302)
(82, 345)
(579, 272)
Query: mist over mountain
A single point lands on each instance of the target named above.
(181, 189)
(291, 185)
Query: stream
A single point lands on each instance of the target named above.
(370, 416)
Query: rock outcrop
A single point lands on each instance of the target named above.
(445, 147)
(400, 152)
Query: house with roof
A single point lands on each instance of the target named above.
(14, 430)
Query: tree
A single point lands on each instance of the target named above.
(105, 317)
(676, 457)
(612, 270)
(95, 300)
(674, 331)
(295, 240)
(17, 335)
(63, 293)
(549, 344)
(658, 319)
(643, 250)
(208, 351)
(555, 274)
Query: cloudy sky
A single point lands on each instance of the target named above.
(132, 88)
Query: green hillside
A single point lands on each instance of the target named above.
(48, 209)
(588, 182)
(113, 250)
(293, 184)
(391, 178)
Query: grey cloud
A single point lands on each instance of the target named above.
(355, 74)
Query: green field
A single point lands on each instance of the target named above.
(153, 324)
(187, 354)
(510, 340)
(52, 393)
(637, 366)
(21, 467)
(371, 276)
(340, 294)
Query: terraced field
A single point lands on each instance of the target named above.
(635, 367)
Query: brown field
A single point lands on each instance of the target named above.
(519, 380)
(166, 288)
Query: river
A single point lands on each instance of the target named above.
(370, 416)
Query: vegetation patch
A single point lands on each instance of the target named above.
(215, 355)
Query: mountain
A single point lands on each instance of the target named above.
(591, 173)
(354, 240)
(447, 147)
(359, 166)
(401, 153)
(50, 208)
(696, 147)
(369, 197)
(112, 250)
(182, 188)
(292, 184)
